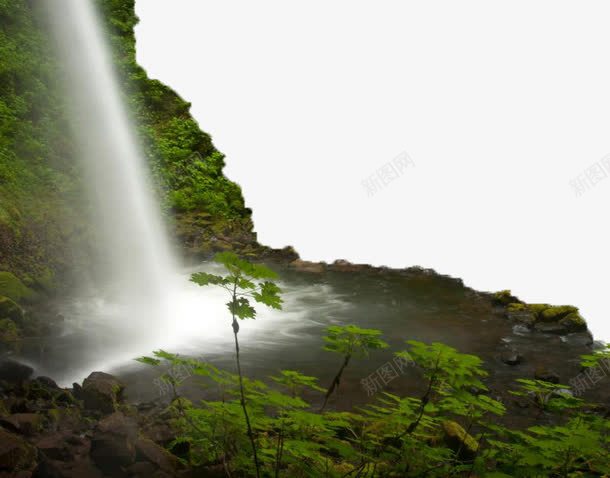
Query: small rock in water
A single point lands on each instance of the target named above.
(512, 358)
(546, 375)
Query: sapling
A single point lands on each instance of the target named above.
(243, 282)
(349, 341)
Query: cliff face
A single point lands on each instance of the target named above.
(43, 225)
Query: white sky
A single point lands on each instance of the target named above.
(499, 104)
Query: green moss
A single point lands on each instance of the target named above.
(13, 288)
(556, 313)
(574, 322)
(9, 333)
(459, 440)
(517, 307)
(504, 297)
(10, 310)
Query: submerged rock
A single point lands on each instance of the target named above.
(546, 375)
(512, 358)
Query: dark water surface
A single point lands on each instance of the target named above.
(404, 305)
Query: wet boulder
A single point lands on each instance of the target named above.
(102, 392)
(113, 444)
(149, 451)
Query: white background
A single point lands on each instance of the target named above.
(499, 104)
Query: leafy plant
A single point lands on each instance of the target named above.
(243, 282)
(349, 341)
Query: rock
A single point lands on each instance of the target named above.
(9, 309)
(546, 375)
(102, 392)
(341, 265)
(149, 451)
(573, 322)
(14, 372)
(520, 312)
(512, 358)
(13, 288)
(550, 328)
(141, 468)
(307, 266)
(81, 468)
(54, 447)
(113, 443)
(46, 382)
(23, 423)
(15, 453)
(458, 440)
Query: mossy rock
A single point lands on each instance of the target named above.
(556, 313)
(458, 440)
(9, 309)
(505, 297)
(13, 288)
(9, 333)
(574, 322)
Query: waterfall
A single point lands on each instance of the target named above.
(143, 299)
(137, 256)
(135, 273)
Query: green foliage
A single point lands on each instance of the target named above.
(547, 396)
(450, 430)
(600, 358)
(352, 340)
(243, 282)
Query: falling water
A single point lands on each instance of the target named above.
(136, 250)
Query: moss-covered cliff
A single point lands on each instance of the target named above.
(43, 226)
